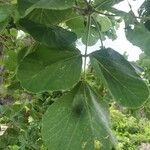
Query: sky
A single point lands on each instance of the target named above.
(121, 44)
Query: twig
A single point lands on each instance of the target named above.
(87, 40)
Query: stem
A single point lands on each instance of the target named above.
(87, 40)
(99, 31)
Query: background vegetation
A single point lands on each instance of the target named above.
(21, 111)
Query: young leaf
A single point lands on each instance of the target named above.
(53, 36)
(93, 37)
(122, 80)
(50, 69)
(104, 22)
(77, 121)
(76, 25)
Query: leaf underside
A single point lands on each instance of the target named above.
(124, 83)
(77, 121)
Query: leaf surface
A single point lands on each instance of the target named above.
(52, 36)
(124, 83)
(140, 37)
(52, 5)
(50, 69)
(77, 121)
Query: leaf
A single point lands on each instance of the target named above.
(105, 23)
(5, 11)
(140, 37)
(50, 17)
(53, 36)
(77, 121)
(93, 37)
(53, 4)
(122, 80)
(43, 16)
(76, 25)
(23, 5)
(105, 4)
(50, 69)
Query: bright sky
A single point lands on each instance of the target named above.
(121, 44)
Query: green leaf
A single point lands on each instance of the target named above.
(43, 16)
(93, 37)
(53, 36)
(76, 25)
(50, 17)
(140, 37)
(50, 69)
(53, 4)
(77, 121)
(121, 78)
(23, 5)
(105, 23)
(5, 11)
(105, 4)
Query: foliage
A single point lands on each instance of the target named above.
(130, 131)
(46, 60)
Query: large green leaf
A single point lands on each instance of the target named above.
(53, 36)
(50, 17)
(50, 69)
(54, 4)
(43, 16)
(122, 80)
(140, 37)
(76, 25)
(77, 121)
(104, 22)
